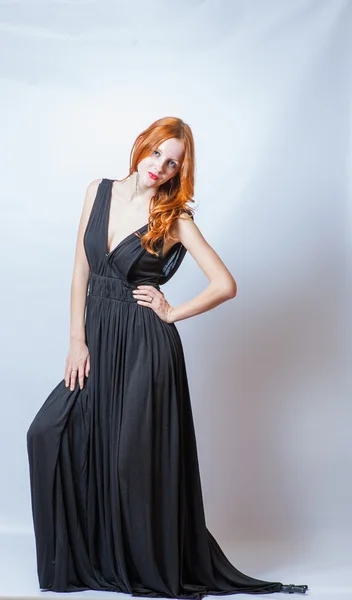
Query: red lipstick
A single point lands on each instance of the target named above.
(153, 176)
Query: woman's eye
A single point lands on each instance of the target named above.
(171, 161)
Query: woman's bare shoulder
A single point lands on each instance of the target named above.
(90, 195)
(185, 215)
(93, 186)
(91, 191)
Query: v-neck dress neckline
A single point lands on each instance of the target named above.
(108, 211)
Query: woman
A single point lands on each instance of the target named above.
(115, 486)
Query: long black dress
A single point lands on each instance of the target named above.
(115, 486)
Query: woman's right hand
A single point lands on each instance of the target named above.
(77, 364)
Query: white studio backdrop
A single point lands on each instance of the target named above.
(266, 88)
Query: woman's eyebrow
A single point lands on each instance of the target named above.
(175, 159)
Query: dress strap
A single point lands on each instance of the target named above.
(98, 213)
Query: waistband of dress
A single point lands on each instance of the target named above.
(115, 288)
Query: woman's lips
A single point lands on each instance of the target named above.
(153, 176)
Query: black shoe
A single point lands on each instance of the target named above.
(292, 589)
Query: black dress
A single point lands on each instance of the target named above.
(115, 486)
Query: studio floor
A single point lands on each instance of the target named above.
(324, 565)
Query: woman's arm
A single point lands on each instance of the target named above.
(222, 285)
(81, 269)
(77, 361)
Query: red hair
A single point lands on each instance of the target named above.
(171, 198)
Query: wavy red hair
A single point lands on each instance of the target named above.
(171, 198)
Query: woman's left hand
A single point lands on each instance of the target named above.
(148, 295)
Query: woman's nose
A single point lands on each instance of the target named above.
(159, 167)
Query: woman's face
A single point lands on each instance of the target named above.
(163, 163)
